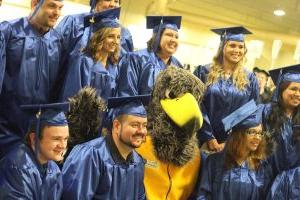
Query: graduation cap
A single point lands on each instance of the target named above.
(285, 74)
(171, 22)
(46, 115)
(247, 116)
(159, 23)
(130, 105)
(232, 33)
(258, 70)
(107, 18)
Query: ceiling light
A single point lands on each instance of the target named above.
(279, 12)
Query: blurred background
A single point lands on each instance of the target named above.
(275, 25)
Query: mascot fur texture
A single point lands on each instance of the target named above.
(85, 116)
(173, 144)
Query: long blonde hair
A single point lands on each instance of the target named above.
(239, 77)
(97, 40)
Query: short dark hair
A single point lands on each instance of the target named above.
(258, 70)
(32, 129)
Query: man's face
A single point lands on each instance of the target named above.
(53, 143)
(106, 4)
(262, 79)
(49, 13)
(132, 130)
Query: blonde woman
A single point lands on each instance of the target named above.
(229, 86)
(95, 66)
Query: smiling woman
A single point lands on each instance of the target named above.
(229, 85)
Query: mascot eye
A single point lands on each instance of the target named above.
(169, 94)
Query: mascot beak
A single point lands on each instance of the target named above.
(183, 110)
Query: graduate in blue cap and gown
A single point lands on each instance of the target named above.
(280, 116)
(108, 167)
(282, 119)
(29, 66)
(240, 171)
(72, 27)
(96, 65)
(28, 170)
(138, 70)
(229, 85)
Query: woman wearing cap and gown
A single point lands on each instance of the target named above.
(96, 65)
(282, 120)
(138, 70)
(229, 86)
(28, 170)
(241, 170)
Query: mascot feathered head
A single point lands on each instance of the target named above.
(174, 115)
(85, 116)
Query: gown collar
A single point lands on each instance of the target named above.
(116, 155)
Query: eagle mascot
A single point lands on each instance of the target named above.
(171, 148)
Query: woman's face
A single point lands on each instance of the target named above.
(291, 96)
(253, 138)
(169, 42)
(112, 41)
(234, 51)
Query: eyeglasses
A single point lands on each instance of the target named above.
(255, 133)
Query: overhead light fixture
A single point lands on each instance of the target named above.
(279, 12)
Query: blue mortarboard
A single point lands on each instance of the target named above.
(232, 33)
(286, 74)
(247, 116)
(107, 18)
(131, 105)
(159, 23)
(46, 114)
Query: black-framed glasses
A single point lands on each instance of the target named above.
(255, 133)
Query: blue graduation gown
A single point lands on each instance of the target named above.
(138, 72)
(236, 183)
(286, 186)
(96, 170)
(287, 151)
(83, 71)
(31, 69)
(72, 28)
(221, 99)
(22, 177)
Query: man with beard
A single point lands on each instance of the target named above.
(108, 167)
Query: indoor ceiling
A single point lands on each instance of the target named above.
(254, 14)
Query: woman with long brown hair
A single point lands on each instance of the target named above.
(229, 85)
(282, 120)
(241, 170)
(96, 65)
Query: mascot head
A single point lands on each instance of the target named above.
(174, 115)
(85, 116)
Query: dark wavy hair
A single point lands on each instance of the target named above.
(235, 149)
(277, 116)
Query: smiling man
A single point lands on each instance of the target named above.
(28, 171)
(30, 63)
(108, 167)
